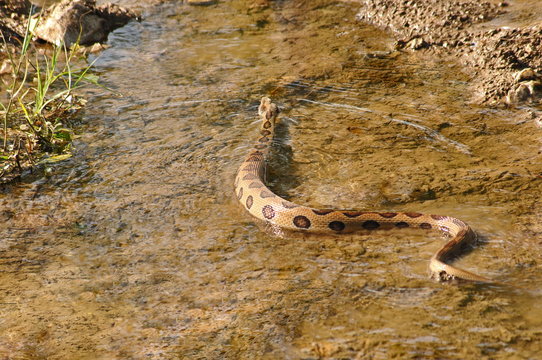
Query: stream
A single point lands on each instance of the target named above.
(136, 248)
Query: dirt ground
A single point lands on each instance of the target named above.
(505, 63)
(12, 16)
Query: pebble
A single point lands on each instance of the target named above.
(525, 74)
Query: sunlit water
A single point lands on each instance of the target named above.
(136, 248)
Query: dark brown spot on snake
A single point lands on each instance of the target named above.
(268, 212)
(370, 225)
(322, 211)
(302, 222)
(289, 205)
(353, 214)
(266, 194)
(255, 185)
(254, 158)
(336, 225)
(250, 201)
(388, 215)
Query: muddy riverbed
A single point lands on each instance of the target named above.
(136, 247)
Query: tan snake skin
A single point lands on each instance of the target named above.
(263, 204)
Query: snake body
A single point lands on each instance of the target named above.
(282, 214)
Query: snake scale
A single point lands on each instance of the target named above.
(282, 214)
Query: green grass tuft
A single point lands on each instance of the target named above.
(40, 105)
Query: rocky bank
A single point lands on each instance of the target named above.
(505, 63)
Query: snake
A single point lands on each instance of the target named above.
(263, 204)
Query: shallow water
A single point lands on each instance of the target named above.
(136, 248)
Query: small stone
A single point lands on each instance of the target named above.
(525, 91)
(72, 21)
(518, 95)
(6, 67)
(525, 74)
(97, 47)
(417, 43)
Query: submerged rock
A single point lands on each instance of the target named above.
(81, 21)
(525, 91)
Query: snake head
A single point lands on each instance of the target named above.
(268, 110)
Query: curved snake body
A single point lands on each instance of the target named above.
(263, 204)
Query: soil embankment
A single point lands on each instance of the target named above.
(505, 62)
